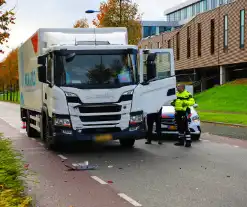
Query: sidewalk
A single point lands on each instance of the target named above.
(227, 131)
(221, 112)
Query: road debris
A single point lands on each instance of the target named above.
(81, 166)
(110, 166)
(110, 181)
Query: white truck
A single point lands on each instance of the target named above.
(90, 85)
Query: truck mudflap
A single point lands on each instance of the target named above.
(69, 135)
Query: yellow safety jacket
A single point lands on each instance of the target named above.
(183, 101)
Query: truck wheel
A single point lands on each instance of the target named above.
(196, 137)
(50, 141)
(31, 132)
(128, 143)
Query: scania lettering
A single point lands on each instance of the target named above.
(90, 85)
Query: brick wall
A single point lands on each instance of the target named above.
(234, 54)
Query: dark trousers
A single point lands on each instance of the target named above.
(182, 124)
(151, 118)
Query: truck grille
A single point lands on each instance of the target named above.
(168, 121)
(101, 130)
(100, 108)
(100, 118)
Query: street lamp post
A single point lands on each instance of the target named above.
(120, 12)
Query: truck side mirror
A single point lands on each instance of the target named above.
(42, 74)
(151, 66)
(42, 60)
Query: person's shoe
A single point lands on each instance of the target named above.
(148, 142)
(188, 144)
(160, 143)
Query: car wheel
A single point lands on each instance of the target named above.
(127, 143)
(196, 137)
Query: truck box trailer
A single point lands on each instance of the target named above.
(89, 84)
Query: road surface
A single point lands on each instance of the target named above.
(211, 173)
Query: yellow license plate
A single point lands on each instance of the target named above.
(173, 128)
(103, 138)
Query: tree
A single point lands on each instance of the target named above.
(7, 18)
(81, 23)
(121, 13)
(9, 69)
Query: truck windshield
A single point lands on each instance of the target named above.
(96, 71)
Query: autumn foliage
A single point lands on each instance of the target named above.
(81, 23)
(7, 18)
(125, 14)
(9, 70)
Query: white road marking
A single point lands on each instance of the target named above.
(205, 140)
(40, 143)
(130, 200)
(236, 146)
(62, 157)
(33, 139)
(99, 180)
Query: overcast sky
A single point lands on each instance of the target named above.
(34, 14)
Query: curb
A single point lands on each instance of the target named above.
(225, 124)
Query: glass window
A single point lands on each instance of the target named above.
(182, 14)
(189, 11)
(188, 42)
(168, 18)
(199, 40)
(149, 31)
(198, 8)
(96, 70)
(212, 25)
(225, 31)
(213, 4)
(193, 10)
(172, 16)
(242, 24)
(185, 13)
(163, 65)
(201, 6)
(178, 46)
(205, 5)
(179, 15)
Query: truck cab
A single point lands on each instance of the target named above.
(97, 91)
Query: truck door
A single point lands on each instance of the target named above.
(47, 88)
(150, 95)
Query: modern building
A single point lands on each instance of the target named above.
(211, 47)
(150, 28)
(189, 9)
(177, 16)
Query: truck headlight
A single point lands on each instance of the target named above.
(195, 118)
(62, 122)
(136, 117)
(128, 93)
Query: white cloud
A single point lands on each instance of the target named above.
(31, 15)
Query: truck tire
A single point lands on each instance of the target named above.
(31, 132)
(127, 143)
(49, 140)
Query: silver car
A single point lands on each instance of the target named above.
(168, 124)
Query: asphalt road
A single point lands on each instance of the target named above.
(211, 173)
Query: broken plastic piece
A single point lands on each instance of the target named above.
(81, 166)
